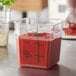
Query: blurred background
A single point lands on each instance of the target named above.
(57, 9)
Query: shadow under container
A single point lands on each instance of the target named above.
(39, 46)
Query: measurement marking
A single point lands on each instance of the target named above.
(25, 50)
(38, 55)
(38, 51)
(26, 42)
(39, 44)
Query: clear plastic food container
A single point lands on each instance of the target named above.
(3, 34)
(38, 44)
(4, 25)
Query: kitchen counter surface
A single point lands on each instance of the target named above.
(65, 67)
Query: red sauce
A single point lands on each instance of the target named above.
(69, 31)
(38, 52)
(72, 26)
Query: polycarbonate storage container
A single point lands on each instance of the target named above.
(38, 44)
(4, 25)
(3, 34)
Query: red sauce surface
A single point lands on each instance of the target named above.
(69, 31)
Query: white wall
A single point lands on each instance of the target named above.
(54, 9)
(15, 15)
(41, 16)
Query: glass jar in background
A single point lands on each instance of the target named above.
(4, 25)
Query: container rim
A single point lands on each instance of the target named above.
(42, 23)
